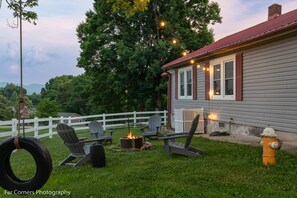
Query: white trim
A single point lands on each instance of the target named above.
(186, 96)
(221, 61)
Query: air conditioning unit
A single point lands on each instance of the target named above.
(183, 119)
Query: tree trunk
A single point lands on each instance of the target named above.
(158, 101)
(141, 106)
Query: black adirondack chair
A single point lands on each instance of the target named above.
(154, 124)
(173, 147)
(76, 146)
(98, 133)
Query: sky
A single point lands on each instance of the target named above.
(51, 47)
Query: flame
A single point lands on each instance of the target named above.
(130, 135)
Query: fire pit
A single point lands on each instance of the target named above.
(131, 141)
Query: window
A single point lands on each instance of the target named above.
(185, 83)
(182, 83)
(229, 76)
(222, 75)
(217, 79)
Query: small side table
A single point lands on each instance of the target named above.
(97, 154)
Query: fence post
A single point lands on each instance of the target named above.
(50, 127)
(14, 126)
(61, 119)
(165, 118)
(36, 127)
(134, 118)
(69, 120)
(104, 121)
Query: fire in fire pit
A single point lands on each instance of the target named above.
(131, 141)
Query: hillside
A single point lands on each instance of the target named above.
(31, 88)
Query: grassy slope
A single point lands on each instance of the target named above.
(225, 170)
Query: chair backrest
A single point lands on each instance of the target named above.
(70, 139)
(96, 129)
(154, 122)
(192, 131)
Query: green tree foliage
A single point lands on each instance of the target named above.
(79, 100)
(35, 99)
(11, 91)
(71, 93)
(47, 108)
(57, 88)
(124, 54)
(6, 110)
(11, 94)
(27, 15)
(129, 7)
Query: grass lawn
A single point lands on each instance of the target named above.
(225, 170)
(5, 129)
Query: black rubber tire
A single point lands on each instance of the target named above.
(42, 159)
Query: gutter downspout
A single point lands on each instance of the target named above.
(167, 76)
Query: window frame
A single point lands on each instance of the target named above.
(184, 70)
(221, 61)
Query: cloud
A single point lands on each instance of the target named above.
(241, 14)
(12, 50)
(50, 48)
(14, 69)
(36, 56)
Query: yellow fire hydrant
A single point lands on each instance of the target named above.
(270, 146)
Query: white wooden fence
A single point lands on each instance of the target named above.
(46, 127)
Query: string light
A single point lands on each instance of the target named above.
(162, 23)
(192, 61)
(174, 41)
(184, 53)
(210, 94)
(212, 116)
(198, 66)
(204, 68)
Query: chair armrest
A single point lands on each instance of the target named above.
(158, 127)
(142, 129)
(172, 134)
(110, 131)
(88, 141)
(172, 137)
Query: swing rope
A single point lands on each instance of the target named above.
(22, 104)
(9, 181)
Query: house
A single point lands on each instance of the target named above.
(247, 80)
(66, 116)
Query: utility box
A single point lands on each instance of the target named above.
(183, 119)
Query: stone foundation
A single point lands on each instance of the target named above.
(288, 139)
(246, 130)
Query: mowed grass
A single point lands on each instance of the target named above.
(2, 129)
(225, 170)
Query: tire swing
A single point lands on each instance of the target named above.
(9, 181)
(41, 157)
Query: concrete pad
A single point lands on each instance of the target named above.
(289, 141)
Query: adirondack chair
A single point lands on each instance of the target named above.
(97, 132)
(172, 147)
(154, 124)
(76, 146)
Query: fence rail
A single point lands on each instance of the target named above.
(46, 127)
